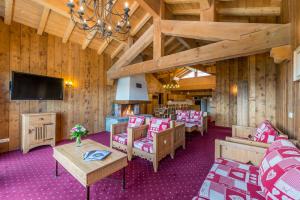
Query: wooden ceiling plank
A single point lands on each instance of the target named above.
(43, 21)
(139, 46)
(150, 6)
(181, 1)
(8, 11)
(255, 12)
(140, 25)
(68, 31)
(190, 11)
(210, 31)
(250, 44)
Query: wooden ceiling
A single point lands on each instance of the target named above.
(51, 16)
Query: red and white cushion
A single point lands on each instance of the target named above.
(280, 171)
(120, 138)
(144, 144)
(157, 125)
(182, 115)
(195, 116)
(231, 180)
(265, 133)
(135, 121)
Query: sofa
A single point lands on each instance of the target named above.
(276, 177)
(194, 120)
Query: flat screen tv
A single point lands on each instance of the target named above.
(35, 87)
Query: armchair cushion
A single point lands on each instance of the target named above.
(136, 121)
(157, 125)
(229, 179)
(182, 115)
(265, 133)
(144, 144)
(280, 171)
(120, 138)
(195, 116)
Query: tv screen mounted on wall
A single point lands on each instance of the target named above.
(25, 86)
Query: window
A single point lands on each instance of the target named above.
(192, 74)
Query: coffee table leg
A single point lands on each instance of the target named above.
(87, 192)
(124, 181)
(56, 168)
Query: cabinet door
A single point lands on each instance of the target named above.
(35, 135)
(49, 131)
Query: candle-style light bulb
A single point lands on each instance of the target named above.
(109, 28)
(126, 5)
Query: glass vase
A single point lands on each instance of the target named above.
(78, 141)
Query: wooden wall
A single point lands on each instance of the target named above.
(288, 91)
(21, 49)
(256, 75)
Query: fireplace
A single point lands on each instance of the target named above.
(125, 110)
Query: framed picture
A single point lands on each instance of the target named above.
(297, 64)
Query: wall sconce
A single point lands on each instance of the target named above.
(69, 84)
(234, 90)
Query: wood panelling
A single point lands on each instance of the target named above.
(288, 92)
(87, 102)
(257, 75)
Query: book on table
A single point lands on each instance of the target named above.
(96, 155)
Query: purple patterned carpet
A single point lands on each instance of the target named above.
(31, 176)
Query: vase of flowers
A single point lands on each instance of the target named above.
(77, 132)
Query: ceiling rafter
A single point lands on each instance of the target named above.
(249, 44)
(8, 11)
(253, 11)
(43, 21)
(68, 31)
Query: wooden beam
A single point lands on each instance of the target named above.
(118, 50)
(204, 4)
(150, 6)
(208, 14)
(8, 11)
(140, 45)
(259, 11)
(249, 44)
(181, 1)
(281, 54)
(183, 11)
(141, 23)
(210, 31)
(58, 6)
(158, 40)
(133, 7)
(184, 43)
(68, 31)
(43, 21)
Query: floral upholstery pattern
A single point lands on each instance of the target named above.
(266, 133)
(280, 171)
(135, 121)
(182, 115)
(231, 180)
(144, 144)
(120, 138)
(195, 116)
(157, 125)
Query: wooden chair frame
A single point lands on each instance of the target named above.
(122, 128)
(162, 145)
(179, 135)
(239, 152)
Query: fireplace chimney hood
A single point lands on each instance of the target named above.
(132, 90)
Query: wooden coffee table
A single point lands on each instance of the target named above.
(88, 172)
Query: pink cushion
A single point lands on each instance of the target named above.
(136, 121)
(144, 144)
(280, 171)
(182, 115)
(195, 116)
(120, 138)
(157, 125)
(265, 133)
(229, 179)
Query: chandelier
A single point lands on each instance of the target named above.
(98, 16)
(172, 84)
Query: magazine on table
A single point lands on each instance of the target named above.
(96, 155)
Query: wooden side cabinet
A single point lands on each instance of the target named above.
(38, 129)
